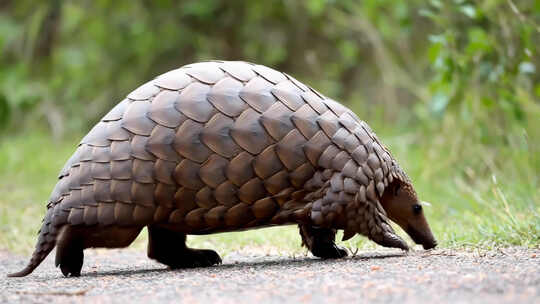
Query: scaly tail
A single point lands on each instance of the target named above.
(46, 242)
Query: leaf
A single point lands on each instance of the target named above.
(4, 110)
(478, 41)
(315, 7)
(527, 67)
(438, 103)
(469, 11)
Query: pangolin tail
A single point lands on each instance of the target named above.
(46, 242)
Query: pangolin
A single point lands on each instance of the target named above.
(225, 146)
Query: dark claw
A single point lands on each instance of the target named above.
(69, 272)
(329, 251)
(212, 257)
(193, 258)
(392, 240)
(169, 248)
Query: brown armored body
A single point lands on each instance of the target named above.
(224, 146)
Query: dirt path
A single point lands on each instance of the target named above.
(509, 275)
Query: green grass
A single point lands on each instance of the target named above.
(476, 200)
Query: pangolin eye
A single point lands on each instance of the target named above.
(417, 209)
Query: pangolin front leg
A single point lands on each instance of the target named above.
(320, 241)
(169, 247)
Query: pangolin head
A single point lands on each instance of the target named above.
(401, 204)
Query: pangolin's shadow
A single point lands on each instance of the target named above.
(306, 260)
(127, 272)
(294, 261)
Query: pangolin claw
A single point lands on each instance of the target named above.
(392, 240)
(194, 258)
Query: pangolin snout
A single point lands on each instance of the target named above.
(430, 245)
(425, 239)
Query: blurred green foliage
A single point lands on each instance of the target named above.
(380, 56)
(453, 87)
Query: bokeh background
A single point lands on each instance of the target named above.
(452, 87)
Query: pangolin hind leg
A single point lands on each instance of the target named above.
(321, 242)
(69, 252)
(169, 247)
(73, 240)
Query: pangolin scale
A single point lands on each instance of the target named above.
(219, 146)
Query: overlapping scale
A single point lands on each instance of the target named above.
(225, 145)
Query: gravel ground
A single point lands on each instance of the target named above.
(509, 275)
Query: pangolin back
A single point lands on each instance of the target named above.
(218, 146)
